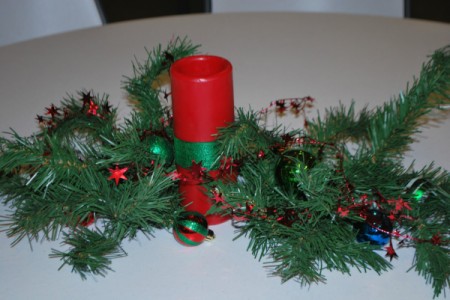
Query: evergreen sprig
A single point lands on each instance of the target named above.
(90, 254)
(319, 237)
(149, 82)
(59, 180)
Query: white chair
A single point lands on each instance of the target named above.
(389, 8)
(22, 20)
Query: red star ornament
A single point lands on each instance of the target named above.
(400, 204)
(343, 212)
(280, 106)
(93, 107)
(197, 170)
(295, 107)
(52, 111)
(217, 197)
(436, 239)
(227, 170)
(118, 174)
(40, 119)
(87, 98)
(390, 251)
(89, 220)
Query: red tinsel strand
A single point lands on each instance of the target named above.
(197, 174)
(397, 234)
(435, 240)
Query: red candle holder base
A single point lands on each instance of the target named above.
(195, 198)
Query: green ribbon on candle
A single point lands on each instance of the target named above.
(186, 152)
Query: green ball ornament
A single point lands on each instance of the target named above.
(420, 189)
(191, 229)
(292, 163)
(161, 148)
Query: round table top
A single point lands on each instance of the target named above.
(274, 55)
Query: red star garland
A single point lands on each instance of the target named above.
(240, 214)
(89, 220)
(436, 239)
(227, 171)
(400, 204)
(343, 212)
(52, 111)
(106, 108)
(168, 59)
(197, 171)
(296, 105)
(66, 112)
(40, 119)
(280, 106)
(166, 121)
(50, 125)
(166, 95)
(93, 107)
(287, 138)
(290, 216)
(87, 98)
(175, 175)
(395, 215)
(218, 197)
(195, 174)
(390, 251)
(148, 170)
(261, 154)
(117, 174)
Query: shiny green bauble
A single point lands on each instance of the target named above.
(190, 228)
(291, 164)
(161, 149)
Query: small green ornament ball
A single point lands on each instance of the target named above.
(161, 148)
(419, 188)
(190, 228)
(292, 163)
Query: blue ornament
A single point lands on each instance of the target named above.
(376, 229)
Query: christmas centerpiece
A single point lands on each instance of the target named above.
(325, 196)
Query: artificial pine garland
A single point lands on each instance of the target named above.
(305, 200)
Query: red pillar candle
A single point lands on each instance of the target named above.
(202, 102)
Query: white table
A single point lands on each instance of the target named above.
(330, 57)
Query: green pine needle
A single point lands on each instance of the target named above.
(90, 254)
